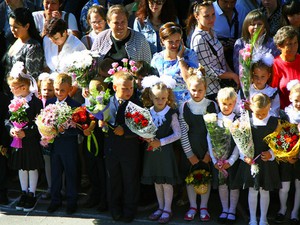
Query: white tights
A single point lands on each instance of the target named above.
(164, 194)
(31, 176)
(264, 204)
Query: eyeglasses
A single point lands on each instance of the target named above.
(97, 22)
(157, 2)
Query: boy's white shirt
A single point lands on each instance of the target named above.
(235, 154)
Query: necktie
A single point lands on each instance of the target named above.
(120, 102)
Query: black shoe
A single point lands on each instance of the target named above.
(222, 220)
(279, 218)
(294, 221)
(3, 199)
(91, 203)
(128, 219)
(71, 209)
(102, 207)
(53, 207)
(30, 202)
(22, 201)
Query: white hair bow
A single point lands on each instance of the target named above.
(152, 80)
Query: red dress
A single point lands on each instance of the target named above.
(283, 73)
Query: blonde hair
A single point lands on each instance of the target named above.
(295, 89)
(122, 76)
(18, 80)
(147, 93)
(44, 81)
(98, 84)
(227, 93)
(194, 76)
(116, 9)
(260, 101)
(63, 78)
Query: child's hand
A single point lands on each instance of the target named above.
(154, 143)
(226, 165)
(148, 140)
(247, 105)
(265, 156)
(248, 160)
(20, 134)
(217, 166)
(292, 160)
(206, 158)
(87, 132)
(194, 160)
(85, 92)
(3, 151)
(102, 123)
(119, 131)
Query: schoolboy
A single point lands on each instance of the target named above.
(121, 149)
(64, 151)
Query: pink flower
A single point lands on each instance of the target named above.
(124, 60)
(111, 71)
(124, 69)
(134, 68)
(131, 63)
(119, 68)
(246, 55)
(247, 48)
(115, 65)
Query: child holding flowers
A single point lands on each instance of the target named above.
(267, 178)
(27, 159)
(193, 140)
(224, 154)
(290, 170)
(46, 89)
(160, 166)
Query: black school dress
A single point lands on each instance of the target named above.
(268, 177)
(160, 166)
(29, 157)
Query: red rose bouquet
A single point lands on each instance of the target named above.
(284, 141)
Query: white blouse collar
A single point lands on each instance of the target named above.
(159, 117)
(198, 108)
(28, 97)
(269, 91)
(258, 122)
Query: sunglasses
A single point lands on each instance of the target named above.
(157, 2)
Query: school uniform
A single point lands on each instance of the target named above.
(122, 164)
(64, 157)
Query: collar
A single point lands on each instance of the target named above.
(62, 101)
(198, 108)
(262, 122)
(267, 90)
(230, 116)
(28, 97)
(218, 9)
(159, 117)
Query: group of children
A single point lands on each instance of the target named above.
(121, 147)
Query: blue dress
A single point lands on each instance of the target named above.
(171, 68)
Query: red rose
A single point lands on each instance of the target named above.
(137, 120)
(144, 123)
(150, 148)
(198, 176)
(279, 143)
(83, 118)
(278, 136)
(85, 126)
(75, 118)
(294, 137)
(92, 117)
(128, 115)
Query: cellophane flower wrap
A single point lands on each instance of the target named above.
(242, 136)
(139, 121)
(18, 118)
(82, 67)
(245, 63)
(98, 105)
(284, 141)
(51, 118)
(220, 137)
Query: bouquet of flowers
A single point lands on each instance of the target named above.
(284, 141)
(18, 118)
(51, 118)
(200, 180)
(139, 121)
(116, 67)
(98, 105)
(245, 60)
(242, 136)
(82, 66)
(86, 121)
(220, 138)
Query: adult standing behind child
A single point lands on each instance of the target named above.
(268, 178)
(27, 159)
(160, 167)
(64, 151)
(194, 138)
(121, 149)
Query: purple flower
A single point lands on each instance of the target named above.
(119, 68)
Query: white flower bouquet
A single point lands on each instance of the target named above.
(220, 137)
(242, 136)
(82, 67)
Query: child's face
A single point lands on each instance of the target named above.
(260, 78)
(261, 113)
(197, 91)
(159, 99)
(124, 89)
(47, 90)
(62, 90)
(19, 90)
(138, 82)
(295, 100)
(254, 26)
(227, 106)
